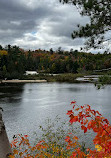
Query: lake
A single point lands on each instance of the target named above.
(26, 106)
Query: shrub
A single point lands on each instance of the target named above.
(51, 143)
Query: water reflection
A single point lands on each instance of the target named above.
(11, 93)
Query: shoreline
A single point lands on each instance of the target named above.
(23, 81)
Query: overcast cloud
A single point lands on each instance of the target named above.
(33, 24)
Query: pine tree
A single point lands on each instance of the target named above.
(99, 12)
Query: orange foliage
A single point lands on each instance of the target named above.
(88, 119)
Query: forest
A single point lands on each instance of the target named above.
(14, 61)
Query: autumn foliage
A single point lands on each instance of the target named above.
(89, 120)
(92, 120)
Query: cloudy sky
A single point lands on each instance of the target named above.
(34, 24)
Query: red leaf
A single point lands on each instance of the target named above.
(105, 120)
(98, 113)
(94, 112)
(74, 154)
(26, 136)
(67, 139)
(70, 112)
(73, 102)
(84, 128)
(89, 126)
(73, 119)
(77, 109)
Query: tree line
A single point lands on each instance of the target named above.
(14, 61)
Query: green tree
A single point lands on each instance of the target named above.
(30, 65)
(4, 71)
(53, 68)
(99, 12)
(1, 47)
(51, 51)
(59, 51)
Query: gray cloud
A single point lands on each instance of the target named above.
(37, 24)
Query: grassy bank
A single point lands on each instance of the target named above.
(66, 77)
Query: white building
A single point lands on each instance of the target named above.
(31, 73)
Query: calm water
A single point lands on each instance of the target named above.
(27, 106)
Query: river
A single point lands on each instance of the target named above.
(26, 106)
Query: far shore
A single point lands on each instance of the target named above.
(23, 81)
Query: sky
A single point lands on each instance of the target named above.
(44, 24)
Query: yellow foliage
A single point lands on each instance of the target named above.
(98, 147)
(3, 52)
(11, 156)
(15, 151)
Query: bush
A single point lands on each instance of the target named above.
(106, 79)
(60, 143)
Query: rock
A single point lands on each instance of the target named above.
(5, 148)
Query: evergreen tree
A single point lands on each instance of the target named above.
(99, 12)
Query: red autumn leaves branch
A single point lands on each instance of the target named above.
(91, 119)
